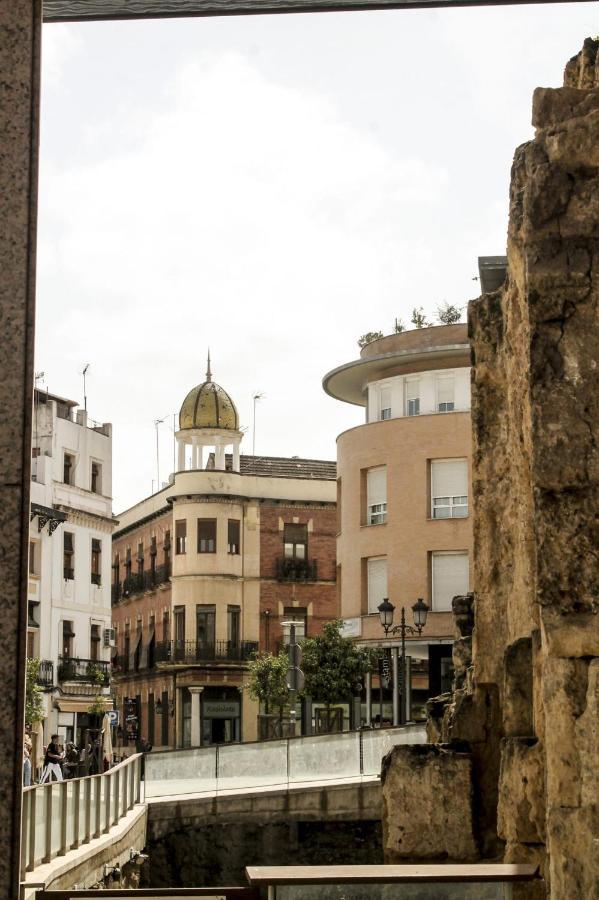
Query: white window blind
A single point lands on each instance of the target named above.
(450, 578)
(449, 488)
(376, 490)
(385, 403)
(377, 582)
(413, 397)
(445, 393)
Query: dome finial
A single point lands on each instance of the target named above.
(208, 372)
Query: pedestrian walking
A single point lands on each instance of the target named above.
(27, 751)
(53, 760)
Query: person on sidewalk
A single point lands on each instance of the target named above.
(53, 760)
(27, 751)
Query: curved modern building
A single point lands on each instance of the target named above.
(405, 529)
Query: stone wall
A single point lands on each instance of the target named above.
(527, 699)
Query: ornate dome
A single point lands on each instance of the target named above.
(208, 406)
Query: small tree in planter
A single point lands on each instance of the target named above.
(369, 337)
(34, 695)
(334, 667)
(419, 319)
(268, 684)
(448, 314)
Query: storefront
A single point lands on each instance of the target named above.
(221, 715)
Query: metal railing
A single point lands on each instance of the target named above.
(60, 816)
(141, 581)
(279, 763)
(197, 651)
(76, 669)
(296, 569)
(45, 674)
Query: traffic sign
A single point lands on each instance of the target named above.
(113, 715)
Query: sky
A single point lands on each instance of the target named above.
(270, 187)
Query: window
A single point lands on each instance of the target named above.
(206, 626)
(449, 578)
(153, 552)
(68, 636)
(299, 616)
(179, 631)
(233, 626)
(96, 573)
(116, 570)
(295, 541)
(206, 535)
(412, 397)
(126, 647)
(376, 582)
(94, 642)
(68, 556)
(449, 488)
(128, 563)
(140, 558)
(166, 631)
(167, 548)
(233, 531)
(69, 467)
(445, 385)
(385, 403)
(33, 558)
(96, 479)
(376, 496)
(181, 537)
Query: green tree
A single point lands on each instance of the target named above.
(399, 326)
(369, 337)
(334, 666)
(267, 681)
(98, 705)
(448, 314)
(419, 318)
(34, 696)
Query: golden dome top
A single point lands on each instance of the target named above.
(208, 406)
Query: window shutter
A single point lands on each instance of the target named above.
(377, 485)
(449, 478)
(450, 578)
(377, 583)
(412, 389)
(445, 389)
(385, 398)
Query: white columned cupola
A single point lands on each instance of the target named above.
(208, 419)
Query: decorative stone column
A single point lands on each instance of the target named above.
(196, 721)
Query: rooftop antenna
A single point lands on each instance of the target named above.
(158, 422)
(85, 368)
(255, 397)
(208, 372)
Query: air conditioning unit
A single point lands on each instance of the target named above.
(109, 637)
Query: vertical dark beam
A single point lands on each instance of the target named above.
(20, 33)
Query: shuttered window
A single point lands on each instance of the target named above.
(206, 535)
(385, 403)
(376, 496)
(377, 582)
(450, 578)
(445, 385)
(181, 536)
(449, 488)
(412, 397)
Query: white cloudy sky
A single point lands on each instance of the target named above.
(273, 187)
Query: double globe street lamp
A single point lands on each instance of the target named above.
(420, 612)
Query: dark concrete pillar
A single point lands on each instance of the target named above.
(20, 32)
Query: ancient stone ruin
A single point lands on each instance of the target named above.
(513, 774)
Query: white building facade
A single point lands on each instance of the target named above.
(69, 626)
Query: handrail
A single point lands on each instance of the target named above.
(59, 816)
(439, 873)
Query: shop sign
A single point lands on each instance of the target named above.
(221, 709)
(351, 628)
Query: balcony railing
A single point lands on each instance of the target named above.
(141, 581)
(296, 569)
(96, 578)
(45, 674)
(69, 573)
(196, 651)
(75, 669)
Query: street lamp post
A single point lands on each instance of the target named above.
(386, 611)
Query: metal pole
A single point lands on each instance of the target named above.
(395, 672)
(292, 691)
(403, 666)
(369, 698)
(157, 459)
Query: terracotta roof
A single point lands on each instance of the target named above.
(284, 466)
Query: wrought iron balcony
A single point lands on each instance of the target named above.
(140, 582)
(96, 578)
(76, 669)
(69, 573)
(289, 569)
(197, 651)
(45, 674)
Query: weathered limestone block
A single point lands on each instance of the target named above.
(586, 731)
(534, 855)
(573, 857)
(521, 809)
(565, 684)
(582, 71)
(427, 804)
(517, 689)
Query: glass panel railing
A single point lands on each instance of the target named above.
(70, 789)
(40, 824)
(432, 891)
(377, 743)
(180, 772)
(56, 818)
(252, 765)
(324, 757)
